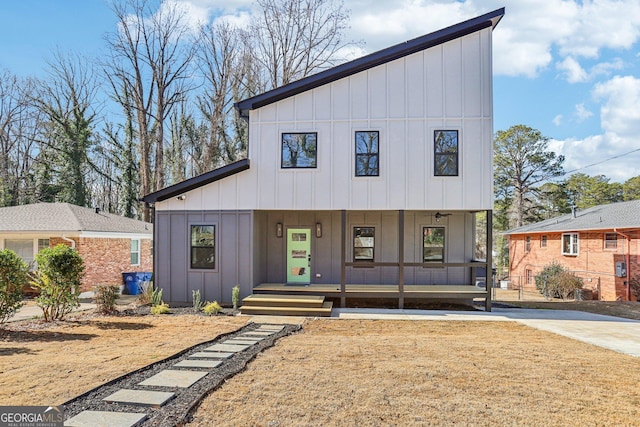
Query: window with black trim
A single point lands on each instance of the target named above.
(570, 244)
(433, 244)
(367, 153)
(527, 244)
(299, 150)
(203, 238)
(445, 153)
(543, 241)
(363, 243)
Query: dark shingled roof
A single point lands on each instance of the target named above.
(622, 215)
(65, 217)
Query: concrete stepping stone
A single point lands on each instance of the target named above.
(241, 342)
(257, 334)
(174, 378)
(140, 397)
(187, 363)
(104, 418)
(227, 348)
(271, 328)
(211, 355)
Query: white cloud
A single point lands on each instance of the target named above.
(619, 113)
(572, 70)
(557, 120)
(581, 113)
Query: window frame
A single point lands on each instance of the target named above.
(543, 241)
(574, 243)
(606, 242)
(437, 155)
(212, 247)
(527, 243)
(282, 150)
(135, 252)
(369, 155)
(444, 243)
(372, 247)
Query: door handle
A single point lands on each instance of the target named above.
(309, 259)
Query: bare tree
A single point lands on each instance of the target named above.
(292, 39)
(150, 57)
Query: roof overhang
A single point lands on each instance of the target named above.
(384, 56)
(196, 182)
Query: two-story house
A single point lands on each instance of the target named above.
(361, 181)
(600, 244)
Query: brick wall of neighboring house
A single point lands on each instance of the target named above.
(106, 259)
(595, 264)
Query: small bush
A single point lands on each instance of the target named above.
(235, 296)
(634, 282)
(156, 297)
(197, 301)
(58, 278)
(162, 308)
(13, 274)
(212, 308)
(554, 281)
(106, 297)
(146, 291)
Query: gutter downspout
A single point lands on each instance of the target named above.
(73, 242)
(627, 260)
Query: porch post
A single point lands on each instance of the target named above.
(401, 259)
(343, 256)
(489, 269)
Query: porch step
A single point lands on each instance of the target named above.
(286, 305)
(310, 301)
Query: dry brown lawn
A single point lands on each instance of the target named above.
(49, 364)
(415, 373)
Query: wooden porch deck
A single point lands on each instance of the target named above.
(427, 292)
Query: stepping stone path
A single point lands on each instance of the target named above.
(170, 379)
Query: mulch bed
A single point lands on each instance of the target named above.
(178, 410)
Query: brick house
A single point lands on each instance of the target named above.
(601, 244)
(109, 244)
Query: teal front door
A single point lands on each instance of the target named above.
(299, 255)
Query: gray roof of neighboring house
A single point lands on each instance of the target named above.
(65, 217)
(602, 217)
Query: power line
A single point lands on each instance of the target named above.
(600, 162)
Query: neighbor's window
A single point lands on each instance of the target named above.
(570, 244)
(433, 244)
(610, 241)
(135, 252)
(42, 244)
(543, 241)
(203, 239)
(528, 276)
(445, 153)
(363, 243)
(299, 150)
(367, 153)
(527, 244)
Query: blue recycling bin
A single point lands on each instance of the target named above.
(133, 280)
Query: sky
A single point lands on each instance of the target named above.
(569, 68)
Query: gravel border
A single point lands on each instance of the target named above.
(179, 410)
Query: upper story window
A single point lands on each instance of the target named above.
(135, 252)
(610, 241)
(363, 243)
(570, 244)
(527, 244)
(299, 150)
(543, 241)
(433, 244)
(367, 153)
(445, 153)
(203, 238)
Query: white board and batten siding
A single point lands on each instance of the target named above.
(446, 87)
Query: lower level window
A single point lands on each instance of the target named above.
(570, 244)
(135, 252)
(433, 244)
(203, 239)
(363, 243)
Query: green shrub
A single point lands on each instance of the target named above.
(554, 281)
(106, 297)
(58, 278)
(13, 275)
(162, 308)
(197, 301)
(235, 296)
(212, 308)
(156, 297)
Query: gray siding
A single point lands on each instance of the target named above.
(234, 257)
